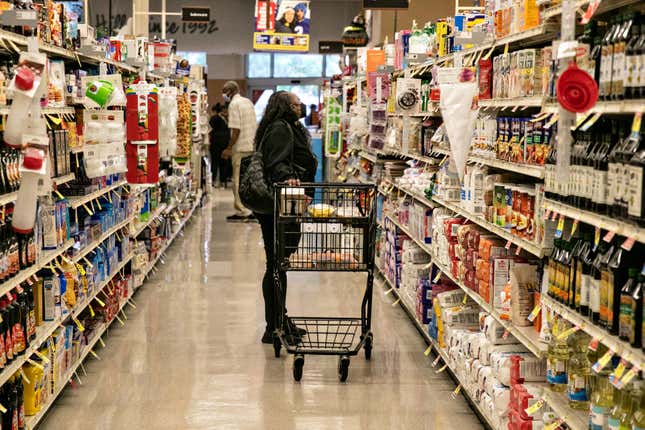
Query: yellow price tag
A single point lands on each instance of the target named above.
(98, 203)
(560, 226)
(568, 332)
(574, 227)
(465, 299)
(580, 121)
(89, 212)
(80, 269)
(131, 303)
(90, 265)
(631, 373)
(603, 361)
(534, 407)
(101, 342)
(427, 351)
(78, 324)
(552, 121)
(389, 291)
(3, 409)
(42, 356)
(119, 319)
(636, 124)
(456, 392)
(60, 196)
(99, 302)
(92, 314)
(506, 49)
(554, 425)
(442, 368)
(620, 369)
(396, 302)
(489, 53)
(437, 277)
(534, 313)
(95, 355)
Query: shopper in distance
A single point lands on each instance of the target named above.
(242, 123)
(286, 150)
(220, 136)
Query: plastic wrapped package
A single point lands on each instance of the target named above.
(484, 290)
(487, 349)
(453, 298)
(460, 252)
(491, 247)
(167, 122)
(471, 258)
(494, 332)
(462, 317)
(523, 282)
(451, 226)
(463, 231)
(531, 368)
(482, 270)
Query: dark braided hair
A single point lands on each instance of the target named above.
(278, 107)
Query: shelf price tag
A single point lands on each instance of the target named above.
(591, 121)
(396, 302)
(388, 291)
(506, 334)
(508, 245)
(91, 310)
(518, 250)
(552, 121)
(99, 302)
(593, 345)
(78, 324)
(628, 244)
(535, 407)
(465, 299)
(574, 227)
(427, 351)
(3, 409)
(547, 213)
(560, 228)
(42, 356)
(631, 373)
(609, 236)
(614, 378)
(555, 424)
(568, 332)
(101, 342)
(436, 361)
(95, 355)
(593, 7)
(441, 369)
(603, 361)
(596, 238)
(554, 215)
(535, 312)
(437, 277)
(456, 392)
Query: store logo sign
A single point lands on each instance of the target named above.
(196, 14)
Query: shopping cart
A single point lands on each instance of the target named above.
(324, 228)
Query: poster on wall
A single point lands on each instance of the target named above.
(282, 25)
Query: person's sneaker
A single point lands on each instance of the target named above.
(267, 337)
(236, 218)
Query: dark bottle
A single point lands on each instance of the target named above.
(599, 160)
(605, 288)
(8, 338)
(585, 261)
(575, 244)
(636, 174)
(606, 58)
(17, 334)
(625, 155)
(614, 169)
(23, 307)
(549, 174)
(594, 291)
(616, 276)
(619, 72)
(21, 402)
(31, 312)
(632, 63)
(626, 321)
(551, 291)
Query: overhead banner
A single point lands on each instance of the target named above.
(282, 28)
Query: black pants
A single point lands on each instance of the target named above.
(271, 304)
(220, 165)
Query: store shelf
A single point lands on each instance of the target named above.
(527, 245)
(524, 169)
(575, 419)
(64, 179)
(27, 273)
(140, 227)
(77, 201)
(423, 330)
(605, 6)
(92, 246)
(629, 106)
(44, 331)
(634, 355)
(521, 103)
(368, 156)
(32, 421)
(11, 197)
(525, 335)
(418, 197)
(621, 228)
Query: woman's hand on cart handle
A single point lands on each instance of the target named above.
(293, 182)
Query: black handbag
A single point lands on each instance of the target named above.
(256, 193)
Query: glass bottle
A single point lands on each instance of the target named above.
(619, 64)
(621, 414)
(558, 356)
(606, 279)
(606, 58)
(626, 323)
(579, 374)
(583, 276)
(632, 62)
(638, 420)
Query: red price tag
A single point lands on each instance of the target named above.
(609, 236)
(591, 10)
(547, 213)
(628, 244)
(508, 245)
(506, 334)
(518, 250)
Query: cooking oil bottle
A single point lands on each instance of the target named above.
(579, 374)
(558, 356)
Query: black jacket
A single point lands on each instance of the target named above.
(220, 133)
(287, 153)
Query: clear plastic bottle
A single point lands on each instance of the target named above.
(558, 357)
(602, 400)
(579, 374)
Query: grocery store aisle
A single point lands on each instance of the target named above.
(190, 357)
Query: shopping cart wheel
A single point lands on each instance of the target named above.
(343, 368)
(298, 363)
(368, 347)
(276, 346)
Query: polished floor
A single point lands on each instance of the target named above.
(189, 355)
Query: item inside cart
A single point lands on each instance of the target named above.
(328, 245)
(324, 203)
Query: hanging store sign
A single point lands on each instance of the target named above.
(195, 14)
(281, 28)
(330, 47)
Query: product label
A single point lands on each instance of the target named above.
(626, 318)
(594, 295)
(619, 69)
(598, 417)
(577, 389)
(633, 71)
(556, 372)
(635, 195)
(613, 423)
(585, 289)
(612, 172)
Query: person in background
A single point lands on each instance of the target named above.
(242, 123)
(302, 22)
(220, 136)
(287, 155)
(313, 118)
(287, 22)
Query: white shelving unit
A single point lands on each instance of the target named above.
(76, 202)
(534, 171)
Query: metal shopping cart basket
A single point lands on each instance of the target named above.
(325, 228)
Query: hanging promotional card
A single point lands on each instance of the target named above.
(408, 95)
(282, 25)
(102, 91)
(379, 86)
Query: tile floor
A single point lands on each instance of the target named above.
(189, 356)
